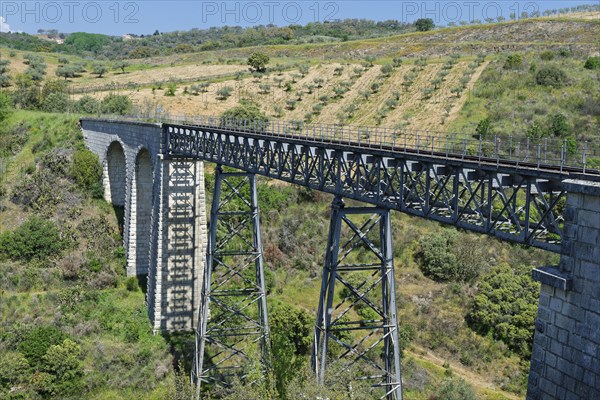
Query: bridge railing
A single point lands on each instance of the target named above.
(520, 151)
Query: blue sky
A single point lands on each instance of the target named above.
(142, 17)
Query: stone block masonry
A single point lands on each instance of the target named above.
(565, 362)
(164, 226)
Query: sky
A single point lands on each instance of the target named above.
(118, 17)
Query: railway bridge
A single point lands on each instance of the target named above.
(209, 277)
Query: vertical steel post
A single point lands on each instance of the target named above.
(233, 312)
(368, 346)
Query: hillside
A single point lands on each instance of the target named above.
(81, 298)
(466, 302)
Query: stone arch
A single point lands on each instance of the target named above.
(143, 191)
(115, 184)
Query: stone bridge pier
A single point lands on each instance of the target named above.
(162, 201)
(565, 362)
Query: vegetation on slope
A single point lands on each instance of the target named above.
(548, 94)
(74, 326)
(93, 319)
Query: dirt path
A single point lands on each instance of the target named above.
(478, 381)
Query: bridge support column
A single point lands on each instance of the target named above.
(565, 362)
(233, 330)
(178, 245)
(359, 257)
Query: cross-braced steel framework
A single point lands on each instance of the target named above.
(233, 329)
(522, 205)
(360, 331)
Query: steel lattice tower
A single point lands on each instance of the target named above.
(233, 329)
(359, 258)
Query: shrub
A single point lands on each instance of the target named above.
(551, 76)
(87, 104)
(387, 69)
(37, 238)
(456, 389)
(424, 24)
(484, 128)
(34, 343)
(547, 55)
(437, 260)
(247, 114)
(535, 131)
(558, 125)
(87, 172)
(505, 307)
(56, 102)
(592, 63)
(513, 61)
(99, 69)
(5, 105)
(292, 339)
(171, 90)
(224, 93)
(258, 62)
(132, 284)
(116, 104)
(443, 257)
(63, 362)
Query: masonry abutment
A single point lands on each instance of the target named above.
(565, 362)
(163, 210)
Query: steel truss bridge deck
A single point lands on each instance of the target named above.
(518, 203)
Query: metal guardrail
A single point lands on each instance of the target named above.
(556, 154)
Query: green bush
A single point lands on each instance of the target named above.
(224, 93)
(247, 115)
(87, 172)
(505, 307)
(63, 363)
(258, 62)
(87, 105)
(438, 262)
(56, 102)
(455, 389)
(37, 238)
(592, 63)
(558, 125)
(547, 55)
(5, 105)
(484, 128)
(116, 104)
(551, 76)
(513, 61)
(445, 257)
(292, 335)
(424, 24)
(35, 342)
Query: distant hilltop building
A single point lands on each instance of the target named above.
(127, 37)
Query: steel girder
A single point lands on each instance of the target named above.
(515, 204)
(233, 328)
(359, 333)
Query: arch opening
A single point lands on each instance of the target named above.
(115, 188)
(143, 211)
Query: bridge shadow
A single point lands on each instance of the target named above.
(181, 347)
(143, 283)
(120, 215)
